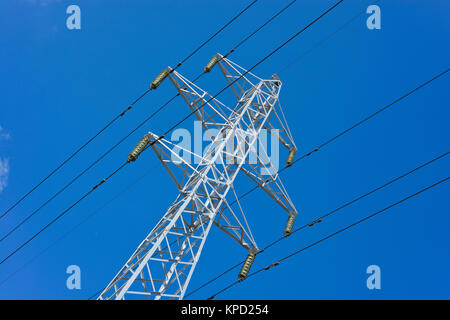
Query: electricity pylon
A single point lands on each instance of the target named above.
(163, 264)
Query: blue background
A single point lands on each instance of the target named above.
(60, 86)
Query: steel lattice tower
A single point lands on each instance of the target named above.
(163, 264)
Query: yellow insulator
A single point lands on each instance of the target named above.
(160, 78)
(289, 225)
(291, 156)
(246, 266)
(134, 154)
(212, 63)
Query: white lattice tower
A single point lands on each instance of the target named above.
(163, 264)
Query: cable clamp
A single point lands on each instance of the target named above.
(99, 184)
(315, 150)
(272, 265)
(314, 222)
(124, 111)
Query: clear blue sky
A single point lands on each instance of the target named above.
(59, 86)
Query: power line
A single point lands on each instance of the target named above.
(265, 58)
(257, 64)
(324, 144)
(178, 123)
(98, 292)
(328, 37)
(316, 149)
(330, 236)
(213, 36)
(320, 219)
(65, 211)
(347, 204)
(383, 109)
(357, 124)
(95, 294)
(95, 212)
(122, 113)
(137, 127)
(368, 118)
(70, 157)
(360, 122)
(77, 177)
(260, 27)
